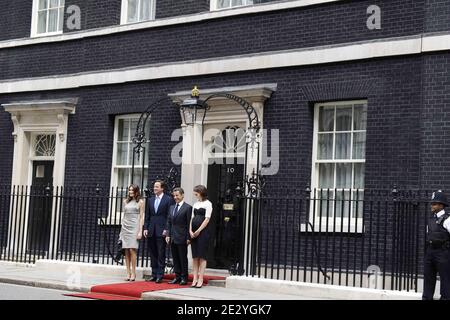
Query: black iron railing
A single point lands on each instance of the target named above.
(62, 223)
(359, 238)
(355, 238)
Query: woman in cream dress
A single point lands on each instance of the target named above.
(131, 231)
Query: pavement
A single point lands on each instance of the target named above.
(17, 292)
(80, 277)
(70, 280)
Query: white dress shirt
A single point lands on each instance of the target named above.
(446, 223)
(179, 207)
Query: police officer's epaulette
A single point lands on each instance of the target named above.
(442, 218)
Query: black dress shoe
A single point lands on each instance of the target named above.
(175, 281)
(158, 280)
(151, 279)
(183, 282)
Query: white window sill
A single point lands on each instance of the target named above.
(125, 23)
(331, 228)
(231, 8)
(48, 34)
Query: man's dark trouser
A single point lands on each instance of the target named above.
(180, 260)
(437, 260)
(157, 246)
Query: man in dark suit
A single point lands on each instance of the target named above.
(178, 235)
(156, 213)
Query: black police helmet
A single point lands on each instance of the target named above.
(439, 197)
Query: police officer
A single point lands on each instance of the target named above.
(437, 256)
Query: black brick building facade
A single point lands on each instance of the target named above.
(408, 95)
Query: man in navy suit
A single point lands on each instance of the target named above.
(178, 235)
(156, 213)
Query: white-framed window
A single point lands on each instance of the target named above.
(47, 17)
(338, 171)
(137, 11)
(124, 131)
(227, 4)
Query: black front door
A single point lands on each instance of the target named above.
(222, 182)
(40, 215)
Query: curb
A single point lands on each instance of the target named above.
(155, 295)
(317, 290)
(44, 285)
(217, 283)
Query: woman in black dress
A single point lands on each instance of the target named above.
(201, 213)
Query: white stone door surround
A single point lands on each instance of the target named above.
(223, 113)
(29, 119)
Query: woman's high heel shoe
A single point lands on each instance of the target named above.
(128, 278)
(194, 284)
(199, 284)
(133, 279)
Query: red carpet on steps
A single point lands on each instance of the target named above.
(134, 290)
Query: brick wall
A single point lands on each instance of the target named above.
(392, 87)
(304, 27)
(435, 124)
(15, 19)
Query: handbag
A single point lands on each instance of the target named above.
(120, 251)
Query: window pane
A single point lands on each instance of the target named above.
(54, 3)
(358, 180)
(132, 15)
(45, 145)
(53, 20)
(326, 175)
(137, 162)
(124, 125)
(145, 10)
(344, 118)
(325, 203)
(137, 178)
(344, 175)
(237, 2)
(133, 124)
(42, 22)
(121, 154)
(360, 117)
(147, 146)
(43, 4)
(326, 119)
(358, 204)
(359, 145)
(325, 147)
(62, 3)
(123, 178)
(342, 204)
(343, 144)
(61, 19)
(223, 4)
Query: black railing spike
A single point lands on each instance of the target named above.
(47, 190)
(394, 192)
(308, 191)
(97, 189)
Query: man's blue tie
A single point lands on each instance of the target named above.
(176, 209)
(156, 204)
